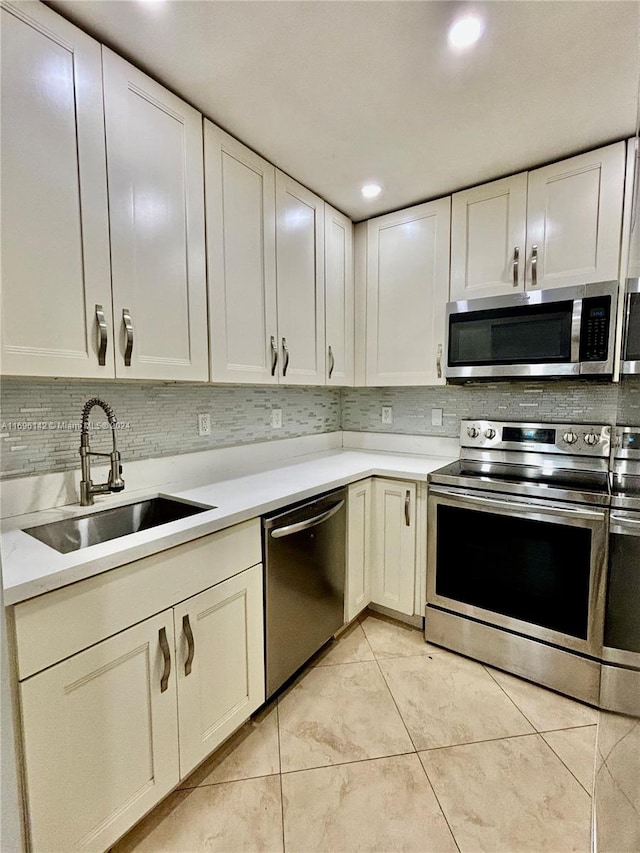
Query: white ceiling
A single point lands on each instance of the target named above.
(341, 93)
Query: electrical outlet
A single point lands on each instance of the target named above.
(436, 417)
(387, 414)
(204, 424)
(276, 418)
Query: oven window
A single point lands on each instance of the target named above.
(538, 334)
(529, 570)
(632, 339)
(622, 621)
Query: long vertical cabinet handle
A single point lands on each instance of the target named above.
(439, 362)
(128, 327)
(407, 508)
(164, 646)
(534, 266)
(274, 356)
(285, 350)
(332, 362)
(191, 646)
(102, 335)
(516, 263)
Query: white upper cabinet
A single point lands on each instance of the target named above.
(407, 274)
(300, 275)
(55, 233)
(241, 261)
(574, 219)
(630, 261)
(488, 234)
(339, 306)
(553, 227)
(156, 211)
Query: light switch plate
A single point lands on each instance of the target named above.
(436, 417)
(387, 414)
(276, 418)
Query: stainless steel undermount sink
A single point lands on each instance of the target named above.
(71, 534)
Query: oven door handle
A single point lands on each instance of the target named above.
(624, 525)
(505, 503)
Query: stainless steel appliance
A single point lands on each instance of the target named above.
(631, 339)
(620, 687)
(305, 558)
(546, 333)
(517, 550)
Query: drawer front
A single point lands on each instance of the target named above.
(58, 624)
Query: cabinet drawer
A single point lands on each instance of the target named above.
(56, 625)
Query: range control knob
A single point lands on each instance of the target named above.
(490, 433)
(473, 432)
(570, 437)
(591, 438)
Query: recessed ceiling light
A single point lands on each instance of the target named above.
(465, 31)
(371, 190)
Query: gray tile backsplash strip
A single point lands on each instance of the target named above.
(412, 407)
(40, 419)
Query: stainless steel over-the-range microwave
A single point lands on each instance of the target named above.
(555, 333)
(631, 339)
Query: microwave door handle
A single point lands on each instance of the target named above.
(624, 526)
(576, 325)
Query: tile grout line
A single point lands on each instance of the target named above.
(446, 819)
(513, 701)
(280, 772)
(561, 759)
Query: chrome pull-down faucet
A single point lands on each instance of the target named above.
(114, 483)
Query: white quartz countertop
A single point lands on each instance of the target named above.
(30, 567)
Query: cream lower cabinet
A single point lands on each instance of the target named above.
(109, 729)
(219, 663)
(100, 739)
(359, 511)
(386, 546)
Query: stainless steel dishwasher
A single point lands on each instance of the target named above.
(305, 557)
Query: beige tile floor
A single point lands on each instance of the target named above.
(387, 744)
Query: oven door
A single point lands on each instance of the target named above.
(631, 340)
(533, 567)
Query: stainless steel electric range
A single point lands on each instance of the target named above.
(517, 551)
(620, 688)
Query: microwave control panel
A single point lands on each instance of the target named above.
(594, 328)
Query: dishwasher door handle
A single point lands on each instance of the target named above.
(289, 529)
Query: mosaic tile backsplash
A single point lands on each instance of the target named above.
(40, 419)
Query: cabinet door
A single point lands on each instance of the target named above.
(300, 273)
(156, 211)
(630, 260)
(339, 297)
(488, 233)
(100, 739)
(220, 663)
(407, 292)
(359, 511)
(55, 231)
(574, 217)
(394, 545)
(241, 260)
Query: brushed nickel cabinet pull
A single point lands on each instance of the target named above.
(186, 627)
(332, 362)
(164, 645)
(516, 262)
(407, 504)
(128, 327)
(439, 362)
(274, 356)
(285, 350)
(102, 335)
(534, 266)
